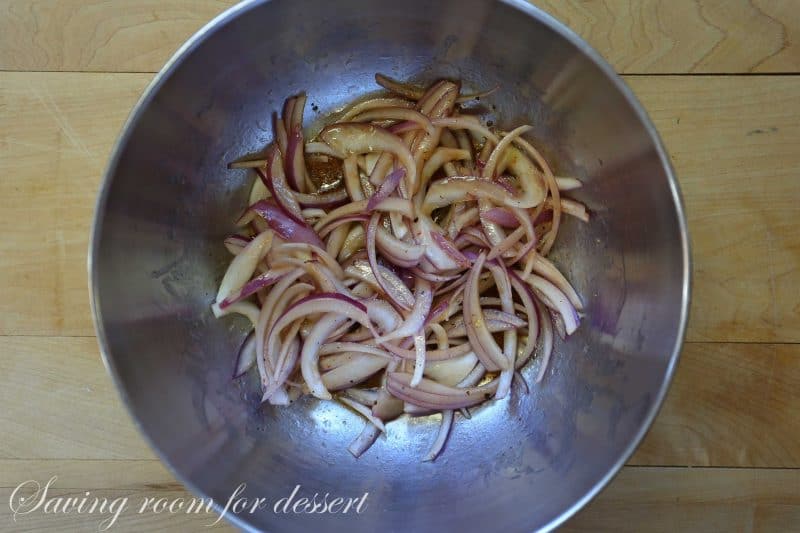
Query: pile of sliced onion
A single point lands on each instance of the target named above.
(396, 262)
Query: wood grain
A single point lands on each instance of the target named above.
(687, 36)
(733, 141)
(56, 131)
(730, 405)
(648, 36)
(694, 499)
(59, 403)
(98, 36)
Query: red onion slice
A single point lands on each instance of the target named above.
(364, 411)
(372, 103)
(262, 281)
(387, 187)
(236, 243)
(502, 216)
(285, 226)
(275, 181)
(568, 184)
(419, 362)
(431, 355)
(434, 395)
(245, 357)
(479, 336)
(309, 357)
(365, 440)
(396, 113)
(325, 200)
(547, 341)
(243, 265)
(556, 300)
(354, 138)
(450, 249)
(423, 296)
(390, 290)
(548, 270)
(441, 436)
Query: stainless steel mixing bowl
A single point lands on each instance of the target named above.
(167, 201)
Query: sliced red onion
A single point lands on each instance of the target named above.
(366, 397)
(466, 122)
(263, 281)
(309, 357)
(396, 113)
(243, 265)
(496, 321)
(344, 220)
(398, 87)
(295, 161)
(434, 278)
(423, 296)
(450, 249)
(499, 150)
(547, 341)
(387, 187)
(248, 309)
(311, 250)
(502, 216)
(556, 300)
(333, 303)
(246, 356)
(320, 148)
(404, 127)
(236, 243)
(364, 411)
(325, 200)
(398, 205)
(383, 314)
(568, 184)
(453, 371)
(285, 226)
(398, 252)
(434, 395)
(431, 355)
(252, 163)
(503, 284)
(354, 138)
(438, 312)
(419, 362)
(576, 209)
(365, 440)
(284, 365)
(395, 288)
(479, 336)
(389, 289)
(548, 270)
(372, 103)
(279, 132)
(460, 188)
(439, 157)
(274, 304)
(337, 347)
(525, 294)
(275, 181)
(441, 436)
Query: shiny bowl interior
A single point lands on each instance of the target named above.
(167, 201)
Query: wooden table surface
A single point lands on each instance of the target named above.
(719, 78)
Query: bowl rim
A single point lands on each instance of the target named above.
(526, 8)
